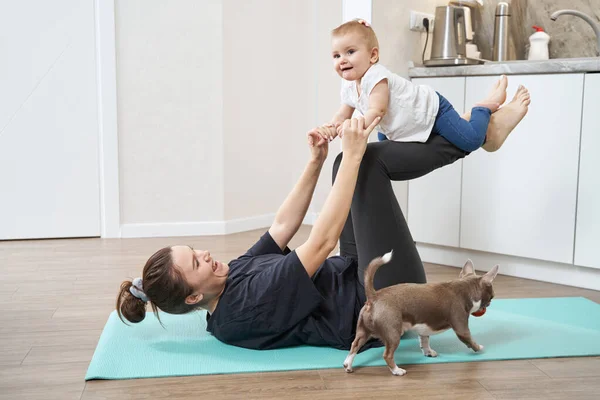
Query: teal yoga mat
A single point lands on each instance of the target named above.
(510, 329)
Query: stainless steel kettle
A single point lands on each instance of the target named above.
(449, 38)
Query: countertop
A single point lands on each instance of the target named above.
(520, 67)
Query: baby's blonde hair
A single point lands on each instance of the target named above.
(358, 26)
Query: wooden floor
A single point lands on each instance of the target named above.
(55, 296)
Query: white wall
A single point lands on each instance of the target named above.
(327, 85)
(269, 99)
(215, 98)
(169, 93)
(214, 101)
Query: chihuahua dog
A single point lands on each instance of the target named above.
(427, 309)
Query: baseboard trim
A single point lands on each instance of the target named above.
(552, 272)
(203, 228)
(248, 224)
(172, 229)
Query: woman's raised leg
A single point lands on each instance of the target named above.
(376, 223)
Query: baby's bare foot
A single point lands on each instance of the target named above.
(497, 95)
(506, 119)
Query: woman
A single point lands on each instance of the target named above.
(274, 297)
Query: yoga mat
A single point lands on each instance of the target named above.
(510, 329)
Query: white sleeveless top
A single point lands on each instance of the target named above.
(411, 109)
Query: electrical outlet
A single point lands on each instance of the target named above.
(416, 21)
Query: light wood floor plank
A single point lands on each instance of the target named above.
(54, 392)
(569, 367)
(55, 297)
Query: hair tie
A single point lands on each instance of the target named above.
(137, 291)
(365, 23)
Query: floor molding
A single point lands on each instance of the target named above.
(545, 271)
(203, 228)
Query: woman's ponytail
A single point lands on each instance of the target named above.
(130, 306)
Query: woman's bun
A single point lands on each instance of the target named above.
(129, 306)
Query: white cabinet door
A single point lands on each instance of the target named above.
(587, 234)
(521, 200)
(49, 184)
(434, 199)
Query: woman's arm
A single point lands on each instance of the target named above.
(290, 215)
(326, 231)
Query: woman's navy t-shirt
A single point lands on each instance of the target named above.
(270, 302)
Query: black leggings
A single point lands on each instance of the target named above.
(376, 224)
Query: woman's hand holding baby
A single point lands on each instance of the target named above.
(319, 147)
(355, 136)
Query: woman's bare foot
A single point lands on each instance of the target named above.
(506, 119)
(497, 95)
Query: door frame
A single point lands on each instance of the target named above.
(108, 138)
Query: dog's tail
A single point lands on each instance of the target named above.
(370, 273)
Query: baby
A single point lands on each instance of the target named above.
(411, 112)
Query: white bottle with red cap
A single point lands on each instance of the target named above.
(538, 44)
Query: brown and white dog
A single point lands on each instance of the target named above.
(427, 309)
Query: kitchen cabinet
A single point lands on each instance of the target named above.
(521, 200)
(434, 199)
(587, 233)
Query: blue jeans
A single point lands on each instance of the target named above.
(466, 135)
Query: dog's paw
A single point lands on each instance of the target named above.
(430, 353)
(398, 371)
(348, 362)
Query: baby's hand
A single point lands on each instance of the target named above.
(327, 131)
(338, 129)
(323, 134)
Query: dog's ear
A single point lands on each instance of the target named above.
(490, 275)
(467, 269)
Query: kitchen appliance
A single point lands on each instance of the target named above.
(468, 6)
(501, 27)
(449, 38)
